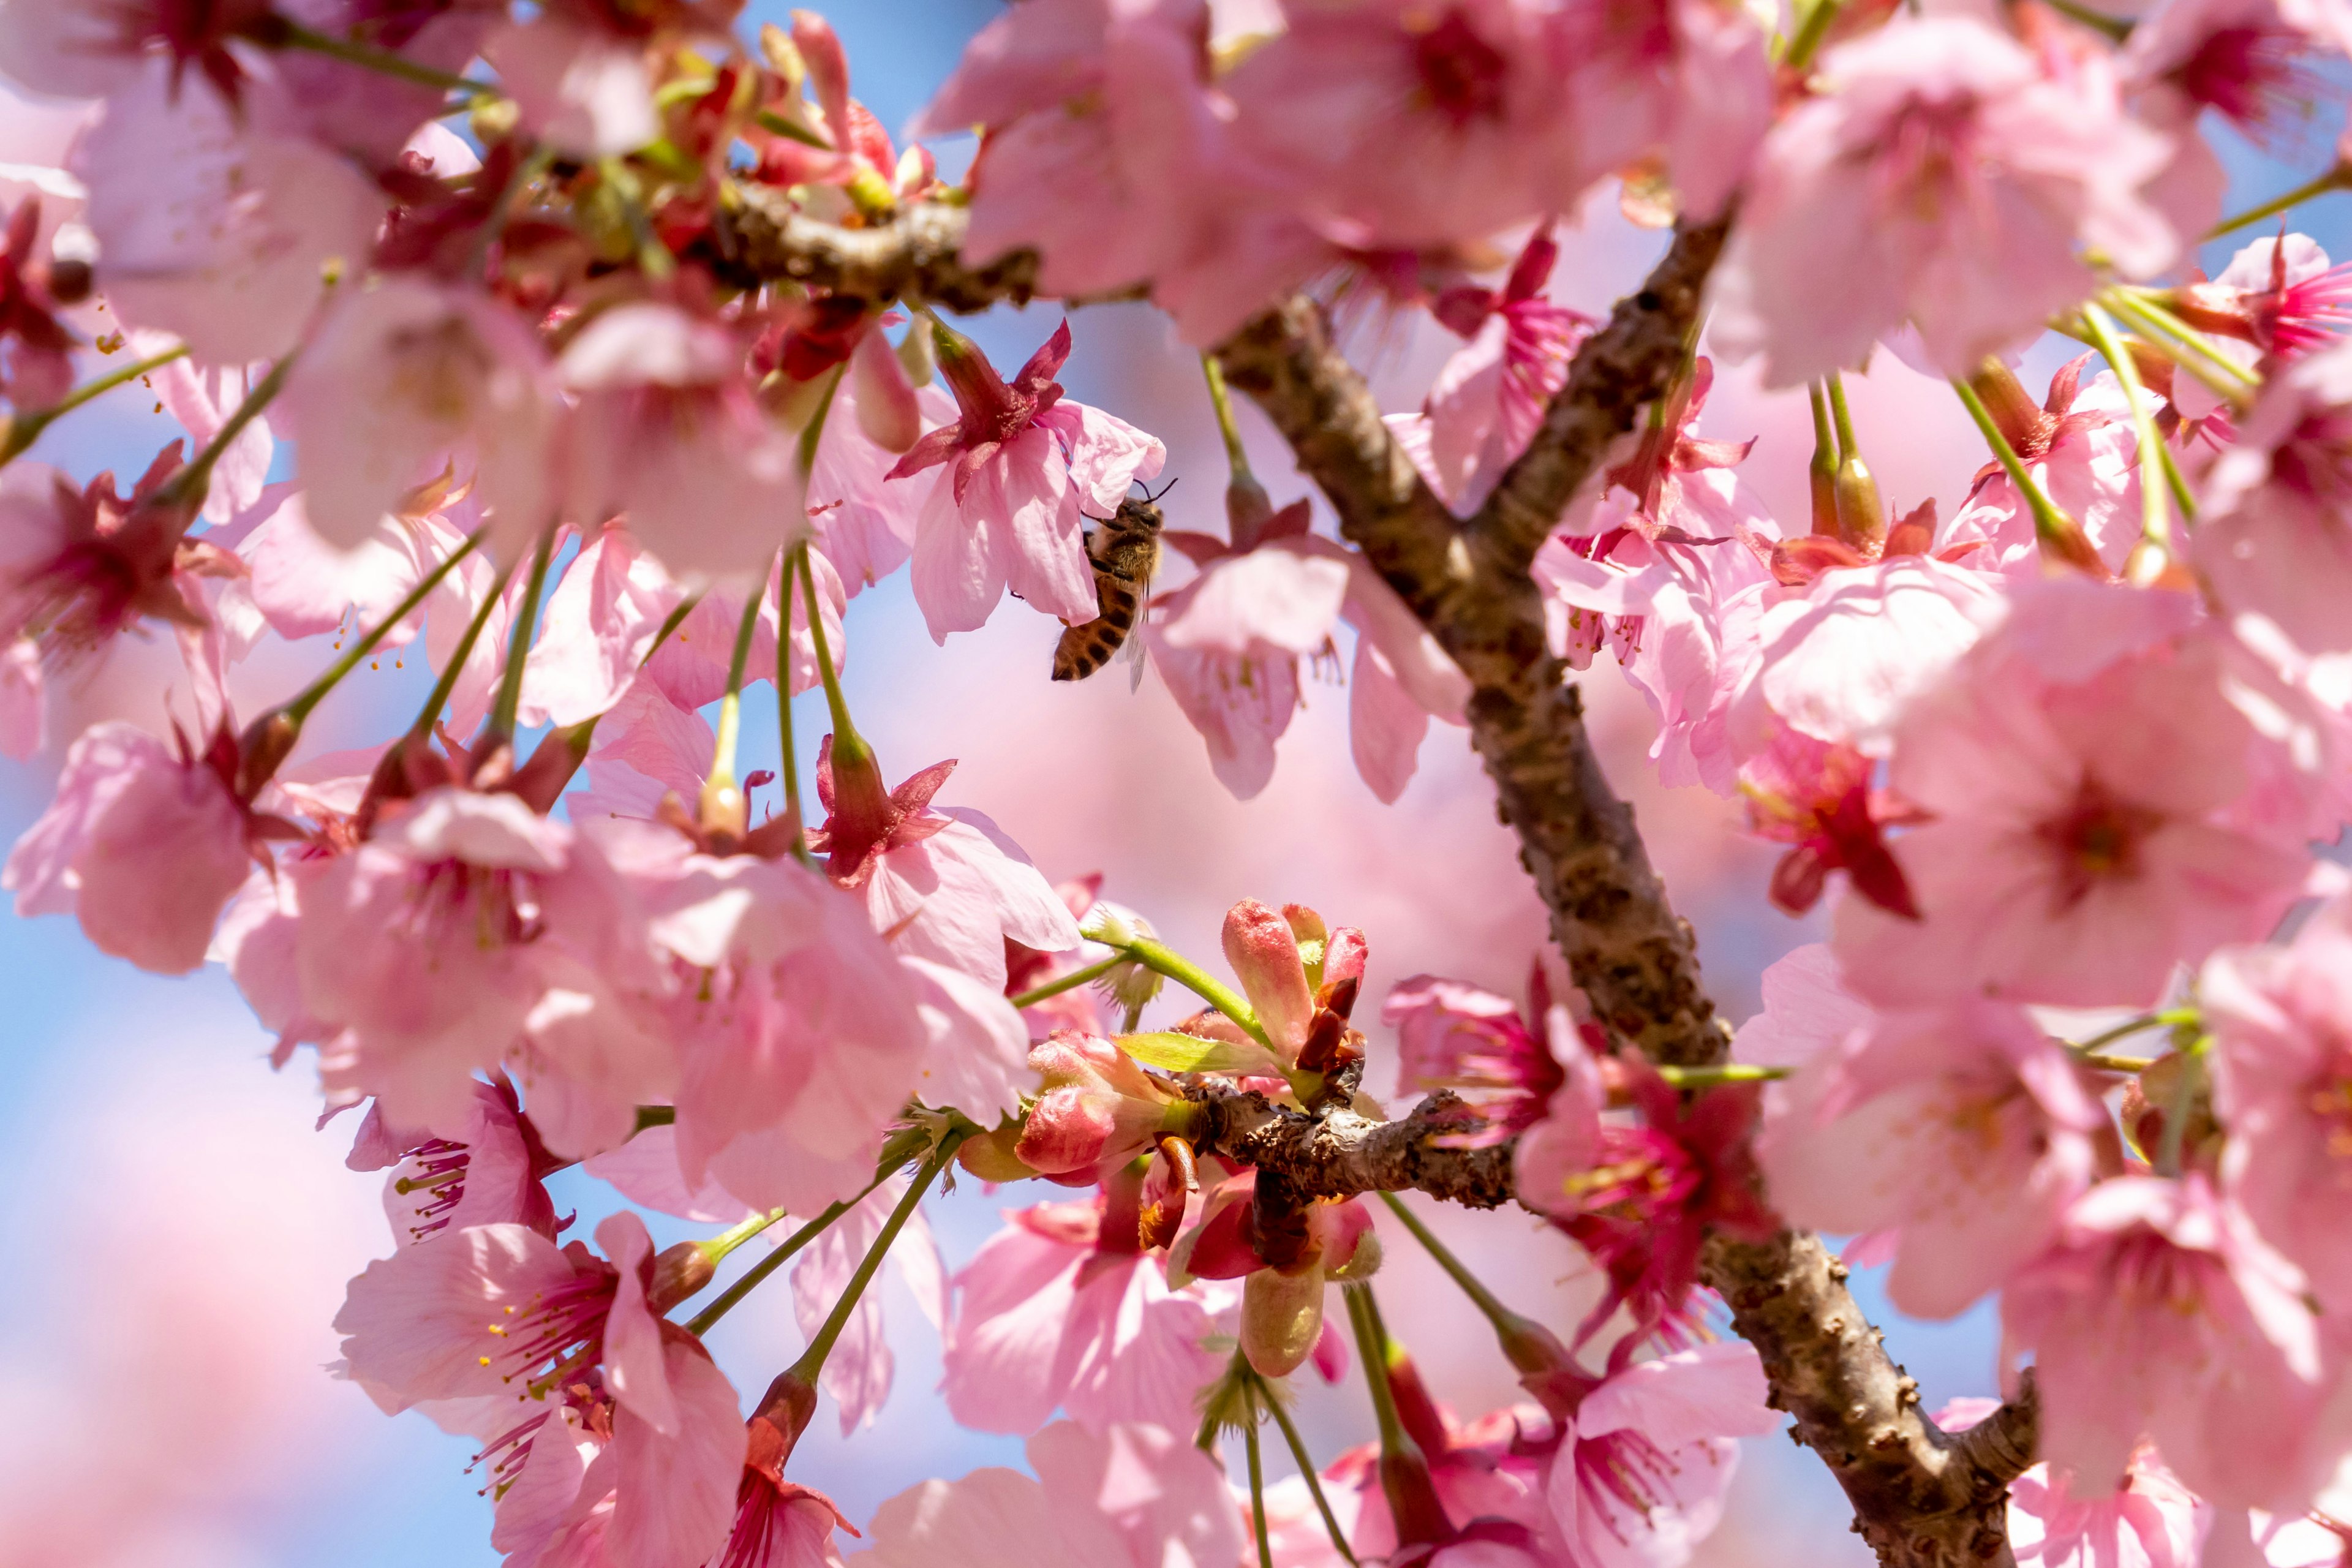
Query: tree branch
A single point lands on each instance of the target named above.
(1922, 1499)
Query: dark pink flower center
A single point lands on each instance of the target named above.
(1461, 75)
(2255, 76)
(2095, 840)
(1624, 1467)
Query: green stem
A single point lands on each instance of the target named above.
(2116, 28)
(1847, 444)
(1307, 1468)
(812, 1362)
(292, 35)
(670, 623)
(2156, 526)
(1070, 981)
(790, 765)
(719, 1246)
(2124, 1030)
(2184, 345)
(757, 1275)
(1807, 41)
(1257, 1496)
(2101, 1062)
(2049, 522)
(2335, 179)
(1372, 1350)
(502, 713)
(846, 738)
(1222, 401)
(192, 482)
(23, 429)
(730, 706)
(1720, 1073)
(2184, 1094)
(1162, 960)
(1505, 1322)
(443, 687)
(311, 696)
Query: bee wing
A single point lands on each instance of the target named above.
(1133, 654)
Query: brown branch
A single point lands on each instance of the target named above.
(1341, 1155)
(1922, 1499)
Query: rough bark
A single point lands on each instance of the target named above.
(1922, 1498)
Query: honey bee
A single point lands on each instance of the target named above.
(1125, 551)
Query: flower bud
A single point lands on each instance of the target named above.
(1862, 516)
(1098, 1107)
(678, 1272)
(992, 1155)
(1264, 952)
(1282, 1317)
(919, 356)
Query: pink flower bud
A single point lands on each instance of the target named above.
(886, 411)
(1098, 1107)
(1282, 1317)
(828, 72)
(1264, 952)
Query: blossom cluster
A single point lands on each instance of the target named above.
(503, 333)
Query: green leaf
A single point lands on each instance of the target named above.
(1173, 1052)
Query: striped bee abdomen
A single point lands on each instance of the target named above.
(1125, 551)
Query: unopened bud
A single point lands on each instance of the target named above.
(1282, 1317)
(678, 1272)
(264, 745)
(1860, 515)
(1264, 952)
(1363, 1264)
(990, 1155)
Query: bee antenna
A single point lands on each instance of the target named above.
(1154, 500)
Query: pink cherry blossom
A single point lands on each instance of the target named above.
(419, 943)
(1641, 1461)
(488, 1175)
(584, 89)
(2151, 1520)
(300, 585)
(858, 1372)
(2146, 1272)
(409, 378)
(1228, 644)
(598, 627)
(1488, 400)
(1132, 1496)
(1454, 1036)
(666, 430)
(2282, 1022)
(1967, 1128)
(1405, 126)
(1487, 1482)
(2255, 61)
(797, 1033)
(1020, 469)
(2276, 539)
(91, 49)
(1686, 83)
(2280, 296)
(1062, 1309)
(2083, 451)
(1841, 661)
(500, 1309)
(947, 882)
(2083, 770)
(145, 845)
(211, 223)
(1946, 178)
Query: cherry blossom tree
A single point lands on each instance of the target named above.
(614, 353)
